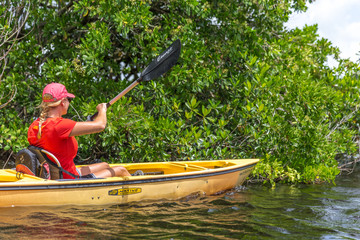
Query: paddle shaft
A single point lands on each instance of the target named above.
(120, 95)
(125, 91)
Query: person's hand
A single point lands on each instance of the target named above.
(101, 110)
(101, 107)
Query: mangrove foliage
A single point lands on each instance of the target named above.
(245, 86)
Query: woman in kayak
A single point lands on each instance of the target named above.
(57, 135)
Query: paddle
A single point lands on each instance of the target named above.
(155, 69)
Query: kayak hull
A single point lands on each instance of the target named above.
(177, 180)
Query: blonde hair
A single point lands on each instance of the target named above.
(45, 107)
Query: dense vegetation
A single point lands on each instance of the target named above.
(244, 86)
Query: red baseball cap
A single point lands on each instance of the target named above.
(54, 92)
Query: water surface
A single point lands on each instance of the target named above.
(252, 212)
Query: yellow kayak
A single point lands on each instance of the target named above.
(161, 180)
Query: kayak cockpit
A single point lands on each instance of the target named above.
(175, 167)
(155, 168)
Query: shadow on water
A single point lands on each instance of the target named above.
(255, 212)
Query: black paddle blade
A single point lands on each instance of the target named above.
(155, 69)
(166, 60)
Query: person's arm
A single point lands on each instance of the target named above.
(98, 125)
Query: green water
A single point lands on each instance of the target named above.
(253, 212)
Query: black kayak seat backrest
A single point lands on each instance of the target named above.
(56, 171)
(44, 155)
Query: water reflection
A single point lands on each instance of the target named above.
(256, 212)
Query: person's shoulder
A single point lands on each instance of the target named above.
(64, 121)
(34, 126)
(61, 119)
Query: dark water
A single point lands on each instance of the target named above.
(254, 212)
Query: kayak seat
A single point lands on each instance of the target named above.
(40, 162)
(138, 173)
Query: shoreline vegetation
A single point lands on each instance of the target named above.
(245, 86)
